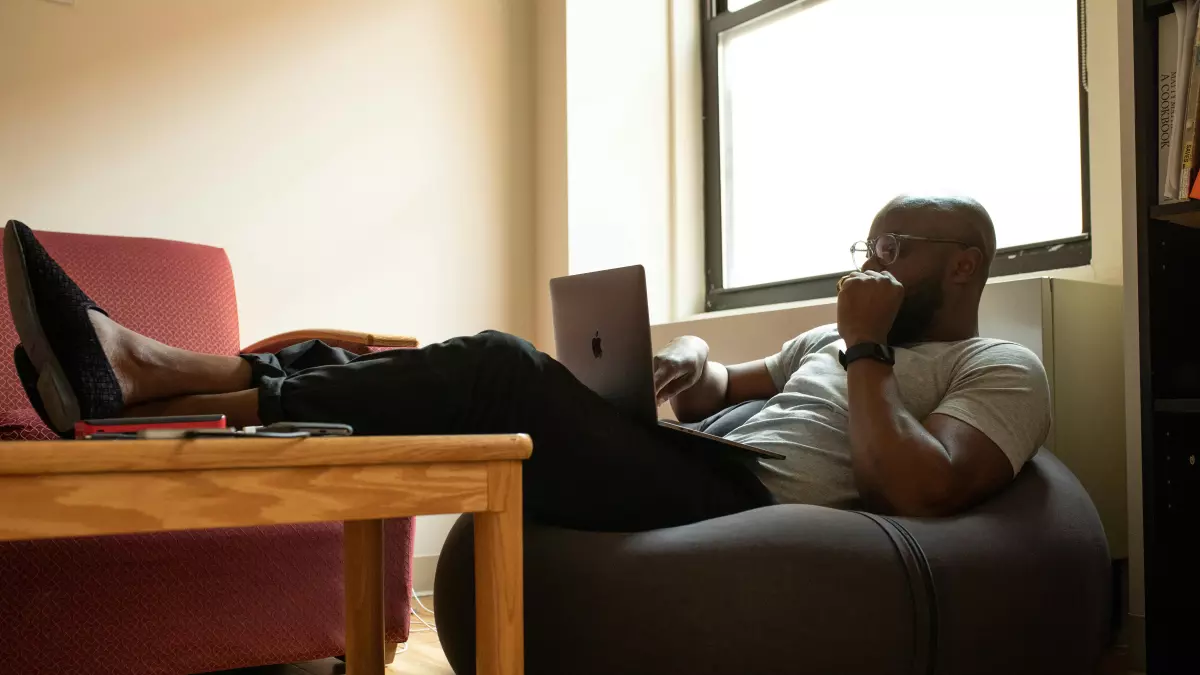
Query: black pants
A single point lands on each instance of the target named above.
(592, 467)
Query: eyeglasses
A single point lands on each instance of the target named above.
(886, 248)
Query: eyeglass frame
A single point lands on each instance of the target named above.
(870, 246)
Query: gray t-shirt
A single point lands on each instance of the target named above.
(998, 387)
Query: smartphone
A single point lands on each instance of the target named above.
(130, 425)
(188, 434)
(311, 428)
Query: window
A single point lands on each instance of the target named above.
(817, 112)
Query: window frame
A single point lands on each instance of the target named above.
(1075, 251)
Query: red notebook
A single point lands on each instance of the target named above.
(134, 424)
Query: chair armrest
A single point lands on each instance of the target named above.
(354, 341)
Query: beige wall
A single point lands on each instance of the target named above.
(365, 163)
(1111, 103)
(1115, 30)
(550, 150)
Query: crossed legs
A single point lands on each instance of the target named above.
(157, 379)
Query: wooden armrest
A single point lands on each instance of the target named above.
(354, 341)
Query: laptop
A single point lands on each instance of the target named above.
(602, 334)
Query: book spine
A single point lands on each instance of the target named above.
(1185, 34)
(1187, 156)
(1168, 88)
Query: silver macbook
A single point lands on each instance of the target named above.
(602, 334)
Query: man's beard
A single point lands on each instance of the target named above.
(921, 303)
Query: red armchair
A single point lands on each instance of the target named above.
(185, 602)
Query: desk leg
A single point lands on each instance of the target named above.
(499, 575)
(363, 567)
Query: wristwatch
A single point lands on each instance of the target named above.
(867, 350)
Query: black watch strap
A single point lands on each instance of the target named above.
(867, 350)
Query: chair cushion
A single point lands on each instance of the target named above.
(23, 424)
(186, 602)
(177, 293)
(729, 419)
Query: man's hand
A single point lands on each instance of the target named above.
(678, 367)
(697, 387)
(867, 305)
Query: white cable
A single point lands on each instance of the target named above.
(429, 627)
(418, 599)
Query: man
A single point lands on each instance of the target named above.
(946, 426)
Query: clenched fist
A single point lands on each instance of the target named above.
(867, 306)
(678, 367)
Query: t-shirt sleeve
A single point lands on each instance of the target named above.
(1002, 391)
(784, 364)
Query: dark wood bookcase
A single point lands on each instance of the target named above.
(1168, 279)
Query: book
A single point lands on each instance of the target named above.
(1186, 14)
(1168, 87)
(1187, 155)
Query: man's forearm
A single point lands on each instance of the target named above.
(704, 398)
(898, 465)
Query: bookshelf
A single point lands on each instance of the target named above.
(1177, 405)
(1184, 213)
(1168, 292)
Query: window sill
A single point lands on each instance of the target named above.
(756, 309)
(1079, 272)
(1038, 259)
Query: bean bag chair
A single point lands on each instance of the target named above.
(1019, 584)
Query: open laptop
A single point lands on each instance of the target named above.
(602, 333)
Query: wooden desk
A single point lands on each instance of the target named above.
(82, 488)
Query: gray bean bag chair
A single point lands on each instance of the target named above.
(1017, 585)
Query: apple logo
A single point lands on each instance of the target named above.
(597, 348)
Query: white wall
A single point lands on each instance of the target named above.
(620, 173)
(366, 164)
(618, 130)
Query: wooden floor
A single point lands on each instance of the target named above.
(423, 656)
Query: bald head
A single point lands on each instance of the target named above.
(944, 249)
(958, 218)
